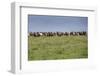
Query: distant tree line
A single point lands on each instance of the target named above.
(37, 34)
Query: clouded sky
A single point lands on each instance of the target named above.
(40, 23)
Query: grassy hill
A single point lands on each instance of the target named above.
(51, 48)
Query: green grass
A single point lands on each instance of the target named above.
(51, 48)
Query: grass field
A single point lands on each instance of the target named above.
(51, 48)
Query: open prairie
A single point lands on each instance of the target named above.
(52, 48)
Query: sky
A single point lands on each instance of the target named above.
(40, 23)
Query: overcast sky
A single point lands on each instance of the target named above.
(40, 23)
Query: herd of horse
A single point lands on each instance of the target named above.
(38, 34)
